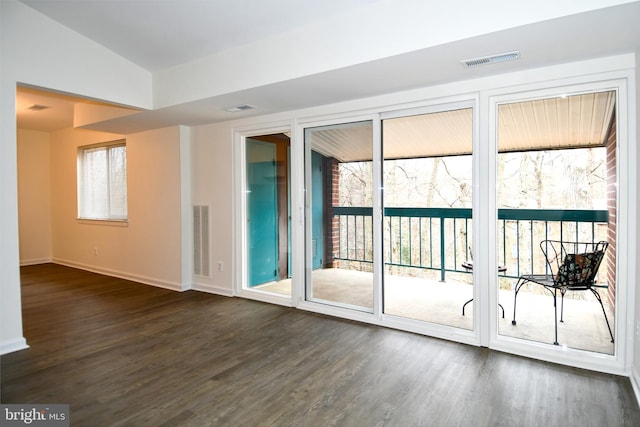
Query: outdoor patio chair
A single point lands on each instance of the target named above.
(570, 266)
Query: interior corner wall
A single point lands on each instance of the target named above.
(34, 196)
(186, 213)
(148, 248)
(39, 51)
(11, 338)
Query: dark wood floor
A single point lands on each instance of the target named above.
(122, 353)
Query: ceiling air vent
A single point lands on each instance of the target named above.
(237, 108)
(491, 59)
(37, 107)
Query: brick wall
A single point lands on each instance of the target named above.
(611, 207)
(331, 187)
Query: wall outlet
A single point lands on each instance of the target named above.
(220, 266)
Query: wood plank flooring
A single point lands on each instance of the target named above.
(126, 354)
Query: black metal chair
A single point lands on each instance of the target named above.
(571, 266)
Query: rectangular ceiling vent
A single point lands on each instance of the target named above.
(37, 107)
(237, 108)
(491, 59)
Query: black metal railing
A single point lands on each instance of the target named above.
(440, 238)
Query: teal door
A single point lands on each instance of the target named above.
(262, 213)
(317, 211)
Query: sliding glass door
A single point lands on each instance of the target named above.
(428, 219)
(420, 242)
(427, 226)
(557, 199)
(339, 221)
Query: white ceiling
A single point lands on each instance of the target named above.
(160, 34)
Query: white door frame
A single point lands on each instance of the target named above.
(620, 361)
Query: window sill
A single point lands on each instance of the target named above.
(104, 222)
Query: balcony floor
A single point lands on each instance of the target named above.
(441, 302)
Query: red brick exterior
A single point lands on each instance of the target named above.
(331, 198)
(611, 207)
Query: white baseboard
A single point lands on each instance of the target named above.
(25, 262)
(635, 383)
(121, 275)
(202, 287)
(211, 289)
(13, 345)
(268, 297)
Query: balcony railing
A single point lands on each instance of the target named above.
(440, 238)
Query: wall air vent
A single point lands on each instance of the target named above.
(491, 59)
(201, 247)
(237, 108)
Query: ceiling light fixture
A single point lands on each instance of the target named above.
(491, 59)
(37, 107)
(236, 108)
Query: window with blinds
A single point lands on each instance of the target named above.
(102, 181)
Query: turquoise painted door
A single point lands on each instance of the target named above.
(317, 211)
(262, 213)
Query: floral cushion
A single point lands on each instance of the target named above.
(578, 269)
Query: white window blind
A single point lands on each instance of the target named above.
(102, 181)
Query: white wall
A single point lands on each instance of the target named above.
(212, 172)
(155, 206)
(34, 196)
(38, 51)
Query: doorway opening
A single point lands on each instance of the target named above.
(268, 213)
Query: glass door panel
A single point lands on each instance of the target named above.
(557, 183)
(339, 191)
(427, 226)
(268, 229)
